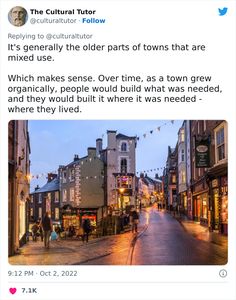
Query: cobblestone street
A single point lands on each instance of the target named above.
(161, 240)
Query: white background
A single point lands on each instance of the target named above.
(133, 22)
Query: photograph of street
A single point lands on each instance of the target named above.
(118, 192)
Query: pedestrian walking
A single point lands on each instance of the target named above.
(87, 229)
(40, 230)
(35, 229)
(134, 216)
(140, 206)
(47, 229)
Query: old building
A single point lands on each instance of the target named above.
(82, 189)
(209, 173)
(182, 170)
(170, 178)
(70, 194)
(46, 199)
(92, 188)
(18, 186)
(120, 160)
(218, 179)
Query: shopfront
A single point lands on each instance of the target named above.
(201, 203)
(220, 204)
(70, 217)
(89, 213)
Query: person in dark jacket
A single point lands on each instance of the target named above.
(87, 229)
(47, 229)
(134, 218)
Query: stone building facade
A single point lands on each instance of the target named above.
(18, 184)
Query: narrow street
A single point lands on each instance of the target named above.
(161, 240)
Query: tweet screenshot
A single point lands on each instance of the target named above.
(117, 150)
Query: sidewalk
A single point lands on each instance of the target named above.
(201, 232)
(71, 251)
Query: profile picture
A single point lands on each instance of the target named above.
(18, 16)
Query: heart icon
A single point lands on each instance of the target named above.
(12, 290)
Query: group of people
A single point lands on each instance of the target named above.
(44, 229)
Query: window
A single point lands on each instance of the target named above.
(72, 194)
(31, 212)
(57, 213)
(220, 144)
(72, 174)
(124, 182)
(182, 155)
(40, 212)
(32, 199)
(64, 195)
(56, 197)
(123, 165)
(64, 176)
(124, 146)
(183, 177)
(181, 136)
(40, 198)
(173, 178)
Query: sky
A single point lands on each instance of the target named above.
(55, 143)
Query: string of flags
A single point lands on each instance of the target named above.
(156, 129)
(45, 175)
(142, 136)
(150, 132)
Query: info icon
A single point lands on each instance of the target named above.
(223, 273)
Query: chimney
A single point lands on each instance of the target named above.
(51, 176)
(98, 146)
(76, 157)
(111, 139)
(36, 188)
(91, 152)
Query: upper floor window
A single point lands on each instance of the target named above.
(173, 178)
(72, 174)
(64, 195)
(56, 196)
(40, 198)
(182, 155)
(123, 165)
(220, 146)
(64, 176)
(124, 146)
(181, 136)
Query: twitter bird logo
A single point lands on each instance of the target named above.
(222, 11)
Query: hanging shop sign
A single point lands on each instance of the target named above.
(202, 153)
